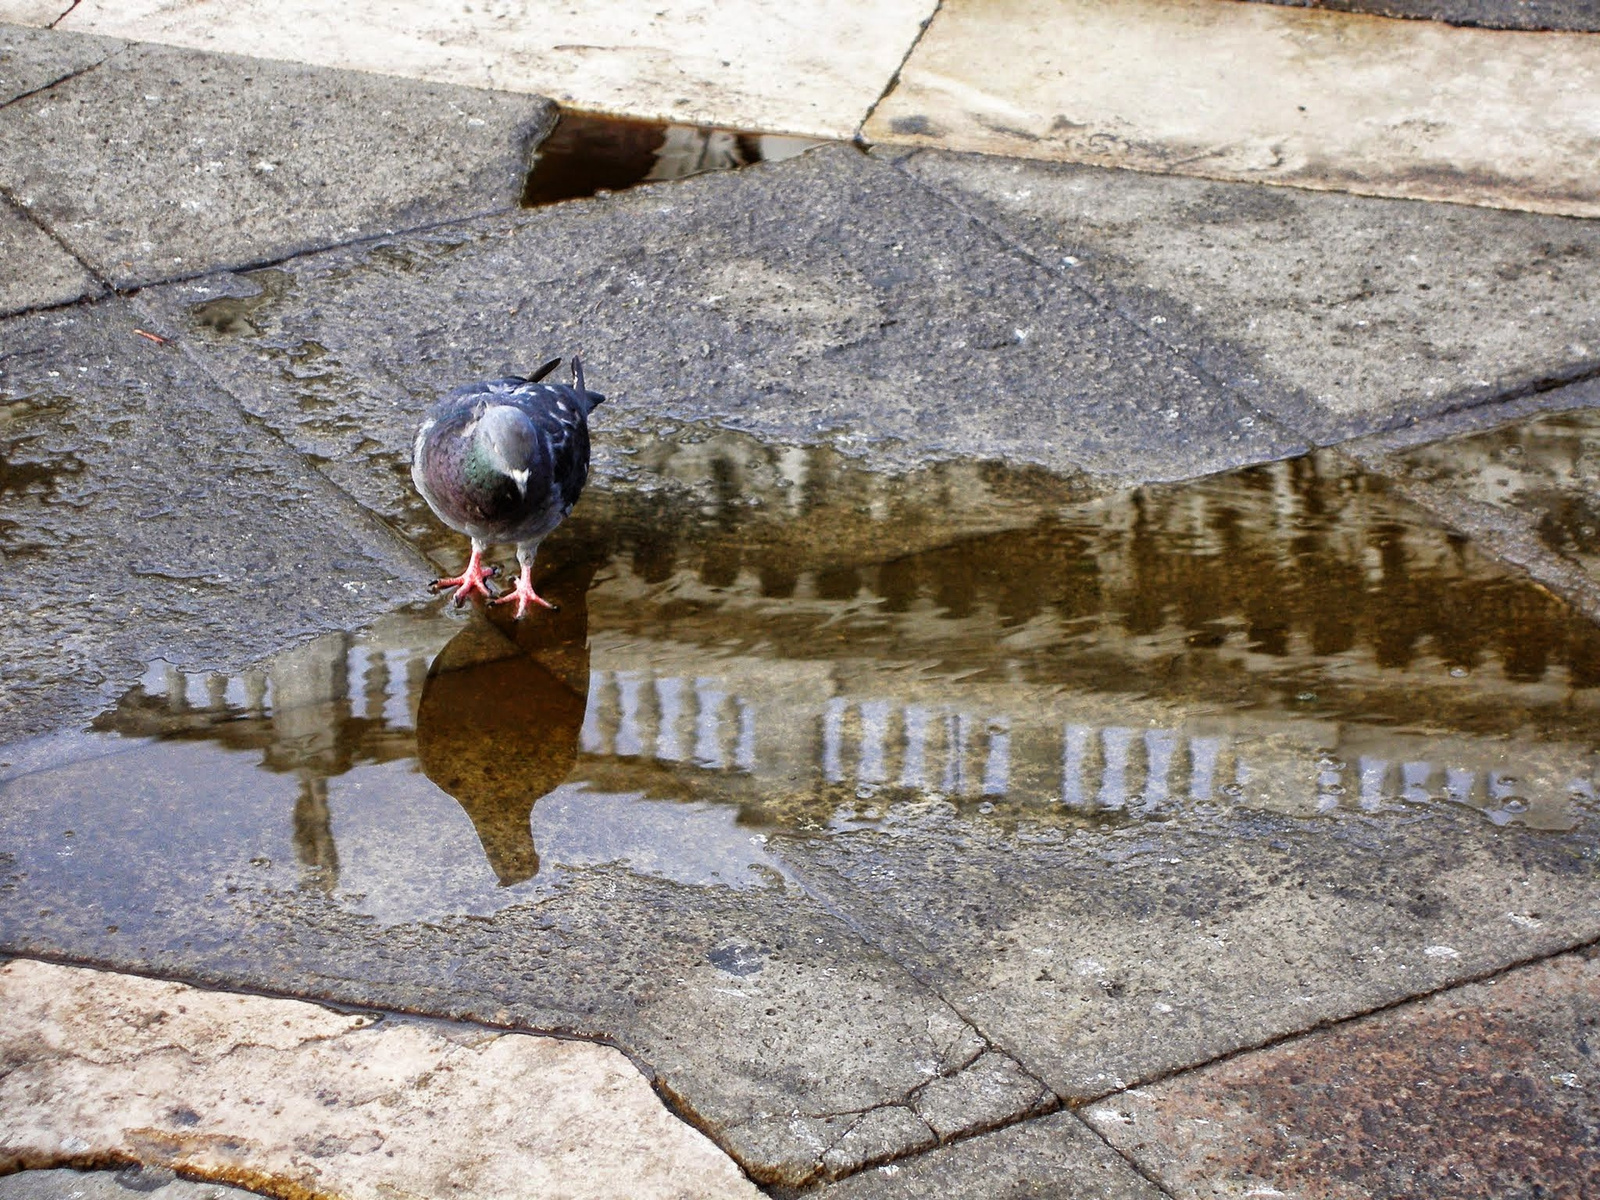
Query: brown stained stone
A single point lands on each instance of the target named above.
(1490, 1089)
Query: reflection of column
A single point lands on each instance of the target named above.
(1074, 755)
(591, 738)
(956, 727)
(744, 750)
(914, 765)
(997, 766)
(870, 767)
(1458, 784)
(833, 740)
(1115, 743)
(630, 739)
(313, 833)
(669, 711)
(1160, 745)
(708, 699)
(1373, 772)
(1203, 755)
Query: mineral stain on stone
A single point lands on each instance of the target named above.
(588, 154)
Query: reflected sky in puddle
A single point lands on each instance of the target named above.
(772, 641)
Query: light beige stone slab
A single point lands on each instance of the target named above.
(1261, 92)
(33, 12)
(812, 67)
(290, 1098)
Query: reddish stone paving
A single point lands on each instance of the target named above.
(1490, 1089)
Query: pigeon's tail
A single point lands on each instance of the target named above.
(590, 400)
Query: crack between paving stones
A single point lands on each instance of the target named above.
(1134, 1164)
(405, 552)
(894, 80)
(67, 78)
(71, 8)
(1486, 976)
(1570, 376)
(1269, 420)
(38, 223)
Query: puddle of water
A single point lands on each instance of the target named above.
(770, 640)
(587, 155)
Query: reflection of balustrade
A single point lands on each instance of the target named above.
(328, 700)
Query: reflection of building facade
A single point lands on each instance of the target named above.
(800, 638)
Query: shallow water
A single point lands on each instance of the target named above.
(758, 642)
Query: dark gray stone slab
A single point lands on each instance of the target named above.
(1341, 315)
(827, 298)
(35, 271)
(145, 517)
(34, 59)
(164, 162)
(1099, 959)
(1054, 1156)
(1577, 16)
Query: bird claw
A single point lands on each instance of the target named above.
(472, 581)
(524, 595)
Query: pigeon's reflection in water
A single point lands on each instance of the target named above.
(500, 714)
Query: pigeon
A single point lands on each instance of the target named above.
(504, 461)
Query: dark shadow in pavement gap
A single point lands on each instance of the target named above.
(588, 154)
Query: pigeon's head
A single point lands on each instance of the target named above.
(504, 438)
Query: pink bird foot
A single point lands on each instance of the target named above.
(472, 581)
(524, 595)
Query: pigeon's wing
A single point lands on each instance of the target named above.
(555, 411)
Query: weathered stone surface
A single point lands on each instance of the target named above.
(1338, 314)
(163, 163)
(827, 298)
(145, 517)
(32, 59)
(991, 1090)
(1573, 15)
(33, 12)
(813, 68)
(1047, 1157)
(156, 1183)
(1261, 93)
(1488, 1090)
(1101, 958)
(34, 270)
(285, 1096)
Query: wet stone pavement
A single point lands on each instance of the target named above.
(1047, 699)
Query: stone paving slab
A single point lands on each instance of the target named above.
(162, 163)
(1572, 15)
(33, 59)
(1053, 1156)
(145, 517)
(815, 67)
(1489, 1090)
(291, 1098)
(1102, 959)
(35, 271)
(1337, 314)
(826, 298)
(1261, 93)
